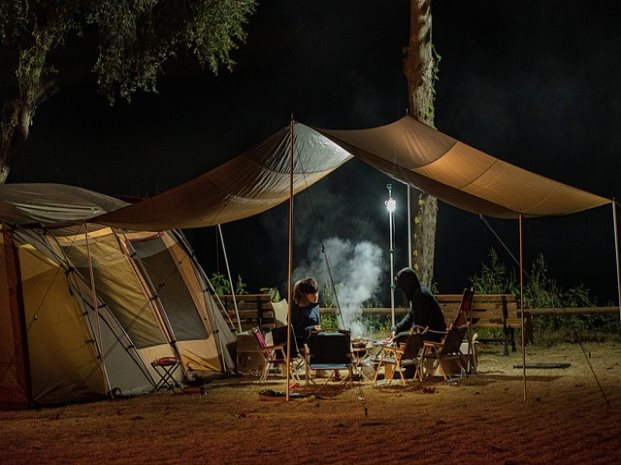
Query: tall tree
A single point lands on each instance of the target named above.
(131, 41)
(420, 69)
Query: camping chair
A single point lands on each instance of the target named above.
(464, 314)
(274, 355)
(281, 310)
(329, 351)
(279, 337)
(401, 356)
(464, 318)
(279, 333)
(441, 352)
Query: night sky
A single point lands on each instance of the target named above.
(534, 84)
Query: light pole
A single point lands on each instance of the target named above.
(391, 205)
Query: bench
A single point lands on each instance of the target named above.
(495, 311)
(255, 310)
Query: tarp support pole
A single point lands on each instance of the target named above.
(616, 233)
(290, 258)
(216, 332)
(228, 272)
(522, 308)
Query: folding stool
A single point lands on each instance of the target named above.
(166, 367)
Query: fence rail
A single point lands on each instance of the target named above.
(367, 311)
(571, 310)
(377, 311)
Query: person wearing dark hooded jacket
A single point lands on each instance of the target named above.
(424, 308)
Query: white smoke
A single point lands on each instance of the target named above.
(356, 271)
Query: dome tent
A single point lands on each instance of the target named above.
(87, 308)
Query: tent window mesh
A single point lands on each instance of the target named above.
(171, 289)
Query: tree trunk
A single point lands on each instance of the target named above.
(15, 125)
(418, 67)
(18, 113)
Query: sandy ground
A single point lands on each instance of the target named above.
(571, 416)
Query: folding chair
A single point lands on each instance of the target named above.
(330, 352)
(281, 310)
(274, 356)
(441, 352)
(464, 314)
(402, 355)
(279, 337)
(166, 367)
(464, 318)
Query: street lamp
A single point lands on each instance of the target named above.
(391, 205)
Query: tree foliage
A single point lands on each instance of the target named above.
(131, 41)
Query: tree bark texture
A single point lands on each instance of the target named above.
(16, 120)
(35, 85)
(419, 67)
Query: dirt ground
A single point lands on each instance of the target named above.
(570, 416)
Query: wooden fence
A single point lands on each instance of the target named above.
(376, 311)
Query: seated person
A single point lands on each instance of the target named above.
(424, 309)
(424, 312)
(305, 310)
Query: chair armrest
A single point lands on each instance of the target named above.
(436, 332)
(394, 350)
(280, 346)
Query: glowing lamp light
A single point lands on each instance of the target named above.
(391, 205)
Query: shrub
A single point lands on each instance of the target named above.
(494, 278)
(273, 292)
(222, 285)
(329, 323)
(542, 291)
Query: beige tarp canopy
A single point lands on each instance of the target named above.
(247, 185)
(406, 150)
(459, 174)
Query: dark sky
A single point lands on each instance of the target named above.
(532, 83)
(535, 84)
